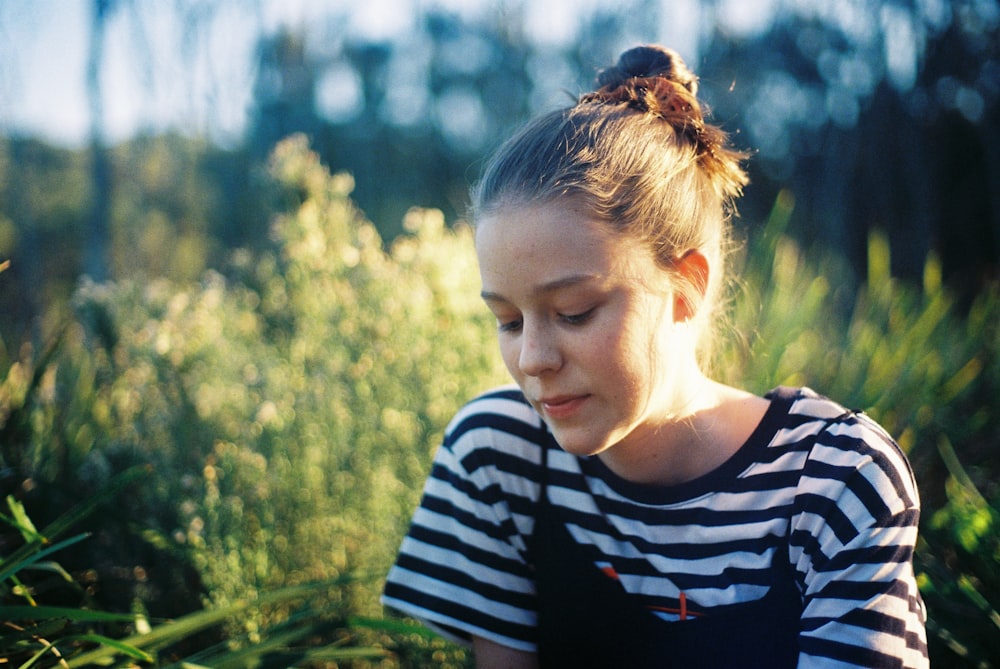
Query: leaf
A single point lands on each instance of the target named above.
(25, 613)
(20, 520)
(17, 563)
(130, 651)
(393, 626)
(191, 624)
(81, 511)
(13, 637)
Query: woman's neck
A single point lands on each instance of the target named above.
(715, 423)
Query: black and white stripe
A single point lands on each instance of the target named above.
(823, 489)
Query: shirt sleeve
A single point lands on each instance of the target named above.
(852, 541)
(462, 567)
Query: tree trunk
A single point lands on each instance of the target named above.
(95, 262)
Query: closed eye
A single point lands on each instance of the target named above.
(509, 326)
(577, 319)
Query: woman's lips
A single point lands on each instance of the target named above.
(563, 407)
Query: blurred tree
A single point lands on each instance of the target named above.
(44, 202)
(98, 222)
(408, 118)
(956, 104)
(284, 91)
(877, 116)
(170, 209)
(873, 114)
(188, 39)
(17, 305)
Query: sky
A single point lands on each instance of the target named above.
(44, 47)
(43, 51)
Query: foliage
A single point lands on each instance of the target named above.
(289, 410)
(821, 92)
(292, 409)
(925, 370)
(910, 357)
(179, 205)
(43, 636)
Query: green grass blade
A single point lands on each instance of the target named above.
(81, 511)
(190, 624)
(272, 644)
(49, 647)
(340, 654)
(24, 613)
(13, 640)
(16, 563)
(20, 521)
(392, 626)
(124, 648)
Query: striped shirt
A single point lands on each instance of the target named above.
(816, 485)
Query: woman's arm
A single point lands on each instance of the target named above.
(853, 543)
(491, 655)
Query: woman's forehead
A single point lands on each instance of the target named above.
(542, 243)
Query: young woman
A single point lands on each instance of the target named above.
(619, 508)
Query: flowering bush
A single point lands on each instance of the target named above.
(289, 409)
(296, 405)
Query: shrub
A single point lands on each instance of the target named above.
(926, 370)
(290, 408)
(289, 411)
(47, 636)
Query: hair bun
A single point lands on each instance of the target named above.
(643, 62)
(654, 80)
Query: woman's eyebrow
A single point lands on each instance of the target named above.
(547, 287)
(489, 296)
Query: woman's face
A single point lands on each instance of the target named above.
(586, 324)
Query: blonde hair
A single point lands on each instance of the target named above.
(639, 154)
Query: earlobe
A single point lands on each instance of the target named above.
(692, 279)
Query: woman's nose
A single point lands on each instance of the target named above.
(539, 351)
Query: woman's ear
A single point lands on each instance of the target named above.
(692, 271)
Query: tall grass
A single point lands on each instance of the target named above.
(926, 368)
(288, 410)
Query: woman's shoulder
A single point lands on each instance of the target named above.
(805, 405)
(847, 448)
(808, 414)
(828, 418)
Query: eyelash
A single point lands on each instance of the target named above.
(511, 326)
(577, 319)
(569, 319)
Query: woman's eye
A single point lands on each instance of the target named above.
(508, 326)
(577, 319)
